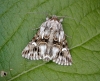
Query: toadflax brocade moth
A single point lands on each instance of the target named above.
(49, 43)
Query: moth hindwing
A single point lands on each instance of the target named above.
(49, 43)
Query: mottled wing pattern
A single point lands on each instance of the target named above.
(49, 43)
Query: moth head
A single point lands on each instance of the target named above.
(55, 18)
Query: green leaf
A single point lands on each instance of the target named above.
(18, 18)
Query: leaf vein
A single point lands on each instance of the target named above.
(26, 71)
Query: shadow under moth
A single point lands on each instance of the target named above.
(49, 43)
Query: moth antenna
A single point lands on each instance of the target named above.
(62, 17)
(68, 36)
(36, 28)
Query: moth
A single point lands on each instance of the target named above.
(49, 43)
